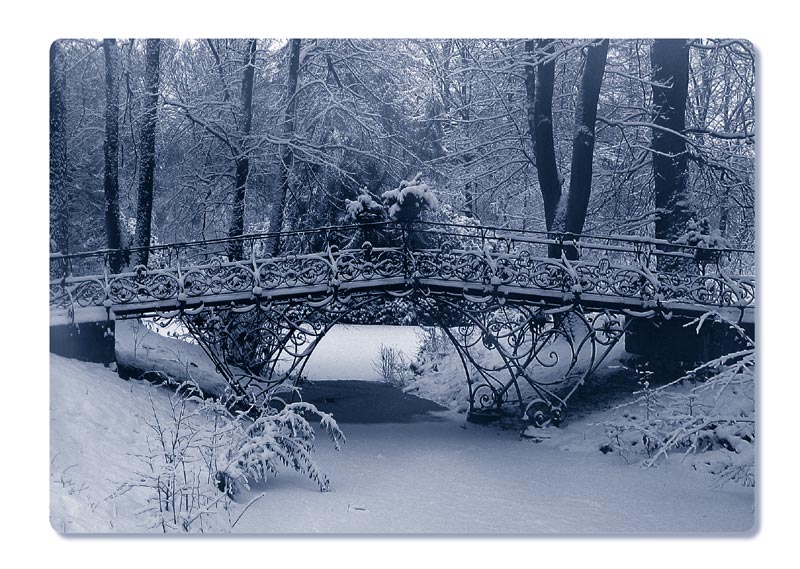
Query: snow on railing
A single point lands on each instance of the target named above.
(483, 256)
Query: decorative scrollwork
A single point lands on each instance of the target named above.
(547, 322)
(541, 413)
(496, 262)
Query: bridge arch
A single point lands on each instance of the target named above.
(486, 286)
(518, 358)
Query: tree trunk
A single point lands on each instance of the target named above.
(59, 194)
(542, 131)
(470, 207)
(147, 156)
(580, 181)
(287, 154)
(114, 238)
(243, 159)
(669, 60)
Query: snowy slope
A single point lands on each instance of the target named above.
(96, 429)
(346, 352)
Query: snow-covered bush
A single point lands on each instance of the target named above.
(432, 341)
(201, 455)
(410, 200)
(700, 234)
(180, 494)
(254, 450)
(707, 415)
(392, 366)
(364, 209)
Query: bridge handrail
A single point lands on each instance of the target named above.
(497, 233)
(421, 254)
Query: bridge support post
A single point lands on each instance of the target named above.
(673, 340)
(88, 342)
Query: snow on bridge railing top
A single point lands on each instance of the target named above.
(455, 258)
(412, 235)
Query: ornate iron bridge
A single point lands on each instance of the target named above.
(259, 304)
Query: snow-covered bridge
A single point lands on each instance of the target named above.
(475, 263)
(535, 300)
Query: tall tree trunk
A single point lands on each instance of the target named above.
(580, 181)
(147, 156)
(114, 238)
(530, 88)
(59, 194)
(542, 131)
(669, 60)
(243, 159)
(469, 198)
(287, 154)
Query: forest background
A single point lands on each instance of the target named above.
(27, 152)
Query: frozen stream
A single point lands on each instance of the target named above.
(443, 477)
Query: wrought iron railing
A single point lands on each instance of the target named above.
(325, 260)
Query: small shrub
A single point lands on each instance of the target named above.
(202, 454)
(392, 366)
(713, 421)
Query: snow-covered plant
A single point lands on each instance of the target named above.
(392, 366)
(180, 495)
(364, 209)
(410, 200)
(255, 450)
(708, 415)
(700, 234)
(201, 455)
(432, 340)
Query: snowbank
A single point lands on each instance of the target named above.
(97, 427)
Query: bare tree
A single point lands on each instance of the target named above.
(669, 60)
(114, 235)
(542, 131)
(287, 152)
(491, 123)
(243, 159)
(147, 150)
(580, 182)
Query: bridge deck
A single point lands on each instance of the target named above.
(549, 298)
(476, 264)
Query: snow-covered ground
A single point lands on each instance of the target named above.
(433, 473)
(349, 352)
(447, 477)
(346, 352)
